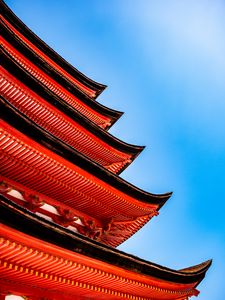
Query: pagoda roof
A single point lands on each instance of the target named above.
(85, 84)
(19, 121)
(131, 277)
(62, 173)
(63, 207)
(121, 153)
(60, 85)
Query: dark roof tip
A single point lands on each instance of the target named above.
(121, 113)
(142, 147)
(103, 87)
(139, 148)
(97, 87)
(164, 197)
(115, 119)
(199, 268)
(118, 113)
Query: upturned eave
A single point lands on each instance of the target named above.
(85, 84)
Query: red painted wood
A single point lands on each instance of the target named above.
(60, 125)
(80, 85)
(33, 166)
(38, 267)
(50, 83)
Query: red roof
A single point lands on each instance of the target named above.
(84, 83)
(32, 165)
(82, 269)
(60, 125)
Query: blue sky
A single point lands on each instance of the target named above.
(164, 64)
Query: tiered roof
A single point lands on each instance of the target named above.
(85, 84)
(62, 265)
(64, 122)
(41, 162)
(59, 184)
(40, 66)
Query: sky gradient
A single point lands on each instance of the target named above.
(164, 64)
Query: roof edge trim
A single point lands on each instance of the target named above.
(26, 126)
(21, 219)
(10, 15)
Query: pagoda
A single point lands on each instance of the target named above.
(64, 208)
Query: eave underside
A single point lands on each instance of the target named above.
(85, 84)
(45, 172)
(36, 86)
(34, 135)
(90, 268)
(58, 124)
(38, 68)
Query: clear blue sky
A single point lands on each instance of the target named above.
(164, 64)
